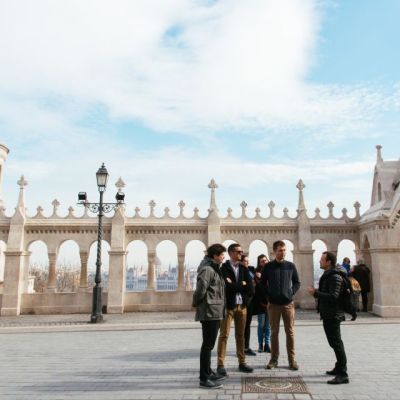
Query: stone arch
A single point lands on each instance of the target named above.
(136, 266)
(346, 248)
(289, 249)
(319, 246)
(256, 248)
(37, 267)
(105, 263)
(68, 266)
(194, 253)
(3, 247)
(166, 266)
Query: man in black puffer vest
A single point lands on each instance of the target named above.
(329, 296)
(239, 291)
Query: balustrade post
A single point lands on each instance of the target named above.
(52, 278)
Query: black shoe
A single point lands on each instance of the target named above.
(245, 368)
(209, 384)
(260, 349)
(221, 370)
(338, 380)
(250, 352)
(332, 372)
(216, 377)
(267, 349)
(353, 317)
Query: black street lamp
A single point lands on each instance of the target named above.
(100, 208)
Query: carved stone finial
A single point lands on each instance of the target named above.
(137, 211)
(258, 211)
(330, 206)
(71, 211)
(344, 212)
(213, 185)
(229, 210)
(55, 203)
(357, 206)
(300, 185)
(285, 212)
(39, 212)
(152, 205)
(196, 212)
(379, 158)
(22, 182)
(166, 211)
(181, 206)
(120, 184)
(271, 206)
(317, 213)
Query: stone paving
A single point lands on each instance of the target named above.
(155, 356)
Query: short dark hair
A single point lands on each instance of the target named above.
(232, 247)
(278, 243)
(259, 258)
(330, 257)
(215, 250)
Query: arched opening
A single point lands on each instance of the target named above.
(68, 267)
(194, 253)
(346, 248)
(319, 247)
(166, 266)
(38, 270)
(3, 248)
(256, 248)
(105, 263)
(289, 250)
(136, 266)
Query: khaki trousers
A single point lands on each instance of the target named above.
(238, 315)
(287, 312)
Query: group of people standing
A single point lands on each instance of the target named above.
(232, 291)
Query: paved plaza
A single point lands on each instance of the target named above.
(155, 356)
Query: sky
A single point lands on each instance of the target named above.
(170, 93)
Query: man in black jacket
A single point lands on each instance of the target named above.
(329, 296)
(281, 281)
(239, 291)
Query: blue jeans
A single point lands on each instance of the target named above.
(263, 330)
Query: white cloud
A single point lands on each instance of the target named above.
(186, 66)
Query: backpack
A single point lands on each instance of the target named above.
(347, 296)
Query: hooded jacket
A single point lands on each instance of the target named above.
(209, 296)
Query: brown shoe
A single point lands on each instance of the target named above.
(293, 365)
(273, 363)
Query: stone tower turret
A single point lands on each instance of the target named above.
(3, 155)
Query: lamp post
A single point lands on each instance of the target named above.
(99, 208)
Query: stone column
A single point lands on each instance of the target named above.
(52, 279)
(151, 256)
(303, 260)
(83, 284)
(181, 271)
(117, 281)
(25, 262)
(13, 282)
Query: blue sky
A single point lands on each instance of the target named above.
(169, 94)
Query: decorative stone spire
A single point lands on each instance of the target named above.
(137, 211)
(357, 206)
(257, 211)
(55, 203)
(330, 206)
(301, 207)
(196, 212)
(285, 212)
(120, 184)
(213, 205)
(229, 211)
(21, 198)
(379, 159)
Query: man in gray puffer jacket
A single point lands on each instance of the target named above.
(209, 300)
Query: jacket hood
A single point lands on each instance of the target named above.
(207, 261)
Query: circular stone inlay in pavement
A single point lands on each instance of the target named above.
(274, 384)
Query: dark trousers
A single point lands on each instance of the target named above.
(364, 296)
(332, 331)
(247, 329)
(210, 333)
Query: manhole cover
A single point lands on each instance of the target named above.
(274, 384)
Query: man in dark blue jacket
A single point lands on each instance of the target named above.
(329, 296)
(281, 281)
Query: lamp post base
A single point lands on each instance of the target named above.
(96, 316)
